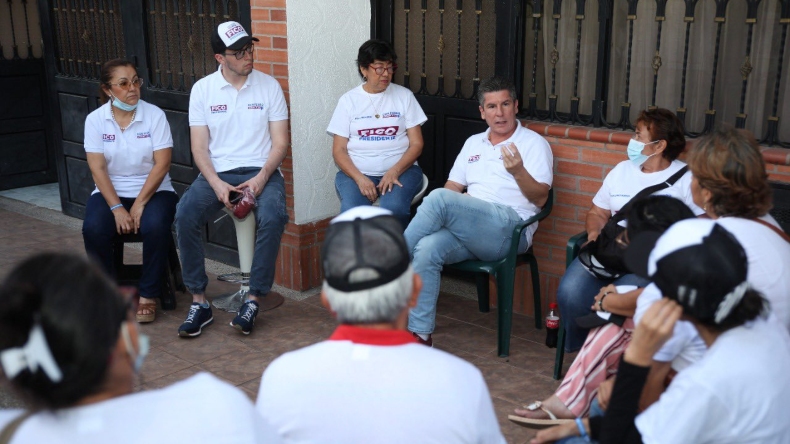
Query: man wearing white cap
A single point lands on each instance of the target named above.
(371, 381)
(239, 133)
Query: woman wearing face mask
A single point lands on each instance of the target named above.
(70, 349)
(128, 146)
(652, 159)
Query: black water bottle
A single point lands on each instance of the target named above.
(552, 326)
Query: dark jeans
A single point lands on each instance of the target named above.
(98, 232)
(199, 202)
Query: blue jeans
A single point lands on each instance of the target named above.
(575, 296)
(448, 228)
(200, 202)
(398, 200)
(98, 232)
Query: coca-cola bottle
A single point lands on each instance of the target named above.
(552, 326)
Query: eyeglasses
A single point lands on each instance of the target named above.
(240, 53)
(380, 69)
(127, 85)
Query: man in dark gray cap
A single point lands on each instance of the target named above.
(371, 381)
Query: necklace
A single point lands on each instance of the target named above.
(123, 128)
(378, 115)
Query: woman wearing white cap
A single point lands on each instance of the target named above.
(739, 391)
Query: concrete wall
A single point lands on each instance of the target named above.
(323, 39)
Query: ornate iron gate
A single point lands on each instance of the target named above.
(169, 42)
(26, 154)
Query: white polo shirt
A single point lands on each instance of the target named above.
(233, 419)
(130, 153)
(479, 167)
(376, 386)
(237, 120)
(376, 144)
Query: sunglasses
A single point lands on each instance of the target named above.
(127, 85)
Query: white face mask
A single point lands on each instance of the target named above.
(635, 148)
(142, 340)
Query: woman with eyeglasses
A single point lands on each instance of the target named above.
(377, 137)
(71, 350)
(128, 145)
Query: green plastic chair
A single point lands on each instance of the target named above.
(504, 271)
(572, 250)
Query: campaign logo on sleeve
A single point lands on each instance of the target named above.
(144, 135)
(378, 134)
(108, 137)
(473, 159)
(219, 109)
(255, 106)
(394, 114)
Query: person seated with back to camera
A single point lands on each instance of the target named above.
(371, 381)
(377, 137)
(70, 348)
(739, 391)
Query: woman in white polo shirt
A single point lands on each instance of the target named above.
(128, 146)
(377, 137)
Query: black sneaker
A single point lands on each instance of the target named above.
(197, 318)
(245, 319)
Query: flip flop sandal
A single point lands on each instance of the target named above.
(538, 423)
(146, 312)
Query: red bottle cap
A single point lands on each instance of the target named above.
(552, 305)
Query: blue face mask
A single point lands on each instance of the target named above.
(122, 105)
(635, 148)
(142, 340)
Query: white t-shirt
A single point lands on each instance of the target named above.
(479, 167)
(129, 153)
(374, 386)
(376, 144)
(769, 262)
(200, 409)
(685, 347)
(238, 121)
(626, 180)
(739, 392)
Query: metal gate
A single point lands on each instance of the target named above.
(445, 47)
(26, 154)
(169, 43)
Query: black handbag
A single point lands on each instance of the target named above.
(604, 257)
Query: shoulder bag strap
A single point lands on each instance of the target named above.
(773, 227)
(8, 431)
(648, 191)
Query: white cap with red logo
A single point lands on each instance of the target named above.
(230, 35)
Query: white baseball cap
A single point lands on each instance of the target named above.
(230, 35)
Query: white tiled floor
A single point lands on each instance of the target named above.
(46, 196)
